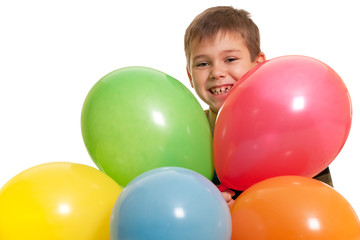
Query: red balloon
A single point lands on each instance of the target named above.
(289, 116)
(293, 207)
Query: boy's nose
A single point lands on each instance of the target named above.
(217, 72)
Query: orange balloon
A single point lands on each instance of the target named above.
(293, 207)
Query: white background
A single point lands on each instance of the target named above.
(53, 52)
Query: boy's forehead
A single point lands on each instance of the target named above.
(212, 39)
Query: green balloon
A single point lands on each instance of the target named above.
(136, 119)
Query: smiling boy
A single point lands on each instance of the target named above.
(221, 45)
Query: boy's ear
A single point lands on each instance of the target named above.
(190, 78)
(260, 58)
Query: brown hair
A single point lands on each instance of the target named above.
(226, 19)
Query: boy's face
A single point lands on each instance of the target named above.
(216, 64)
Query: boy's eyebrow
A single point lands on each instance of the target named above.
(232, 50)
(199, 56)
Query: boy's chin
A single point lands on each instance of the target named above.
(216, 105)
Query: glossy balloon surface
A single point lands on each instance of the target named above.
(293, 207)
(289, 116)
(170, 203)
(136, 119)
(57, 201)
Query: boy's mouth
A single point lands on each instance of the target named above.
(220, 89)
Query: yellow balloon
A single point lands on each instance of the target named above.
(57, 201)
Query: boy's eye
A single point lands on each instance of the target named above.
(230, 59)
(202, 64)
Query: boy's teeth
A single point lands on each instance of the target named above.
(219, 90)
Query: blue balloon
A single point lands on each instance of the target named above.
(170, 203)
